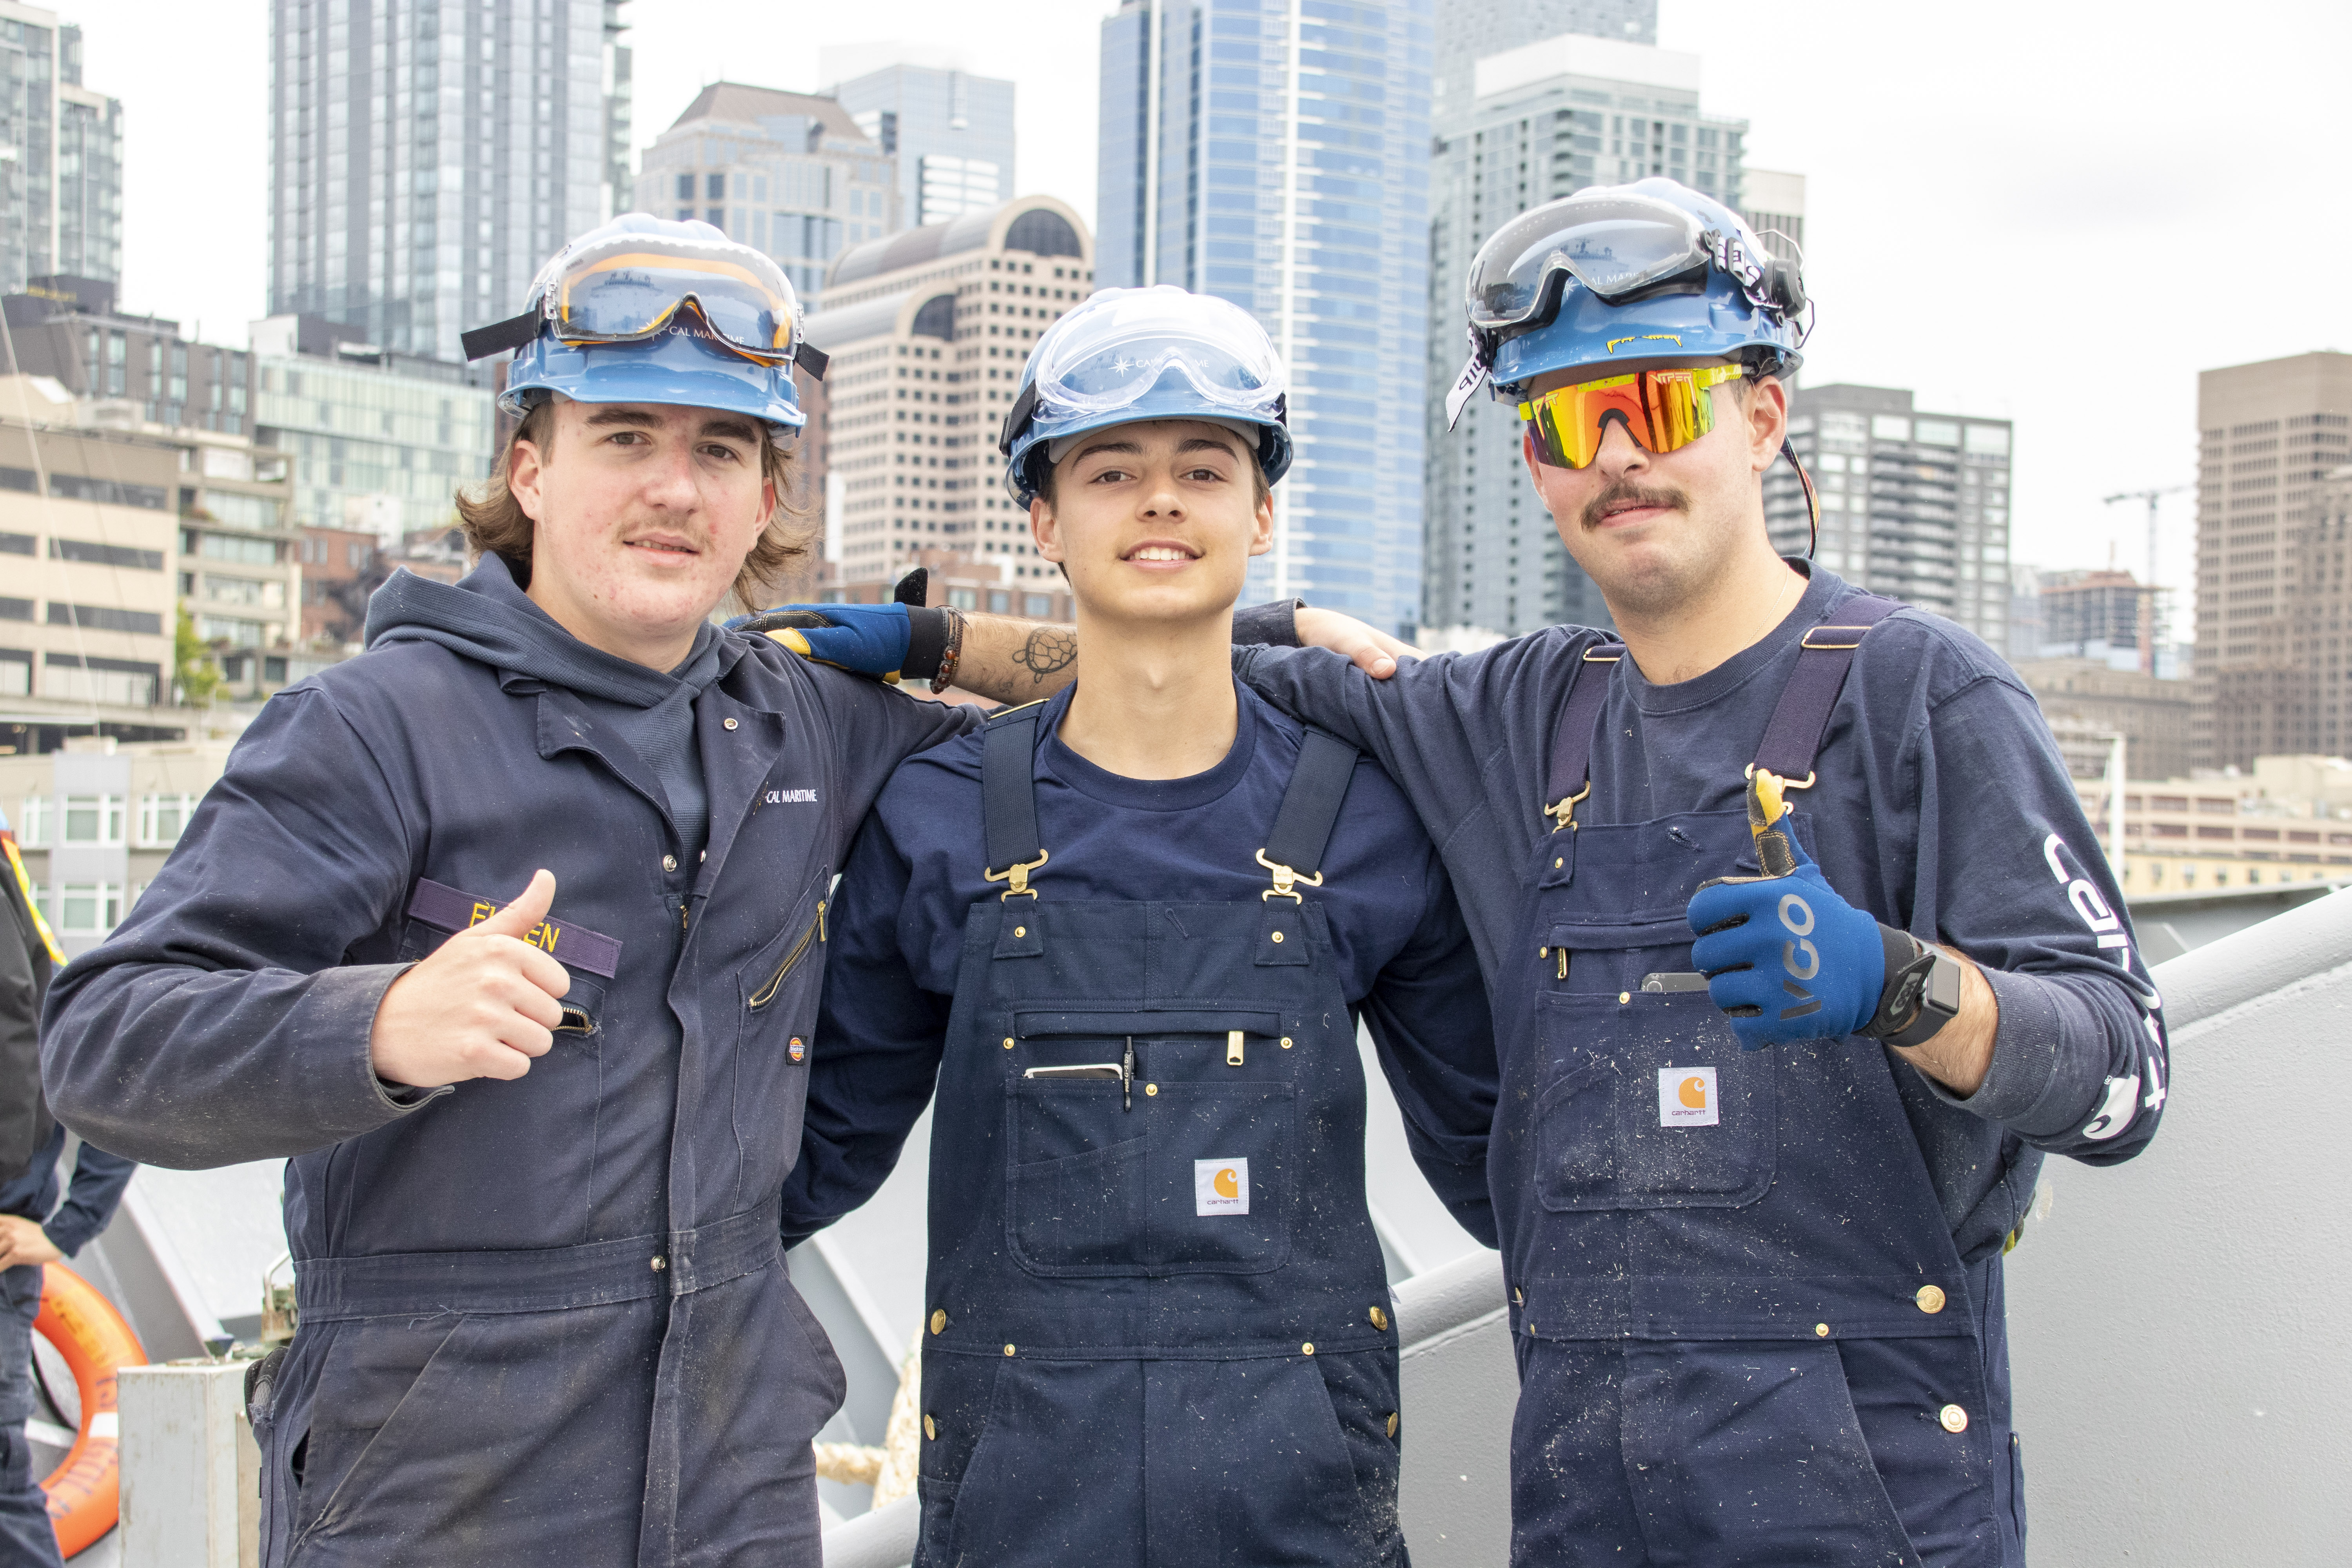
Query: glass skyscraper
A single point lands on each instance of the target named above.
(951, 133)
(1276, 153)
(426, 157)
(60, 158)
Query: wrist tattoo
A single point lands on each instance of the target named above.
(1048, 650)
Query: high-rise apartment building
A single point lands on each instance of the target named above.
(2269, 557)
(427, 158)
(785, 173)
(1914, 506)
(61, 156)
(952, 131)
(1546, 120)
(1773, 203)
(1276, 153)
(1470, 30)
(929, 330)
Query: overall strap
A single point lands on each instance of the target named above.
(1309, 810)
(1008, 797)
(1571, 779)
(1794, 735)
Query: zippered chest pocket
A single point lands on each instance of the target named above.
(1650, 1103)
(1169, 1150)
(778, 983)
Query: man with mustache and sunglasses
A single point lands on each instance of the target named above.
(507, 936)
(1776, 1082)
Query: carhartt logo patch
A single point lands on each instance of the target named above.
(1220, 1186)
(1687, 1098)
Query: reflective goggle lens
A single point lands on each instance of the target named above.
(616, 298)
(1663, 410)
(1613, 242)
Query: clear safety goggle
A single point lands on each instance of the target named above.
(1116, 348)
(630, 293)
(1663, 410)
(1616, 243)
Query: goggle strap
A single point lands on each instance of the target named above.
(501, 337)
(1016, 419)
(813, 360)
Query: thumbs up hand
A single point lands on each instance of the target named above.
(480, 1005)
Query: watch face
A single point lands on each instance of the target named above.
(1943, 986)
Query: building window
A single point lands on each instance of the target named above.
(93, 819)
(685, 187)
(88, 908)
(162, 818)
(33, 822)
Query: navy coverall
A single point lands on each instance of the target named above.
(1729, 1350)
(1157, 1323)
(543, 1322)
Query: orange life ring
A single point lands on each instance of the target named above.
(85, 1493)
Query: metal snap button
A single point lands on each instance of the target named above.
(1380, 1319)
(931, 1430)
(1286, 1042)
(1820, 1331)
(939, 1319)
(669, 862)
(1930, 1298)
(1008, 1042)
(1954, 1419)
(1307, 1349)
(1392, 1423)
(1278, 936)
(660, 1263)
(1623, 997)
(1008, 1350)
(727, 723)
(1020, 930)
(1151, 1089)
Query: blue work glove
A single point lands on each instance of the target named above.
(869, 639)
(1785, 957)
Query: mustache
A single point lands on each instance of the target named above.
(1625, 491)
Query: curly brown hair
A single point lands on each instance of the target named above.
(495, 521)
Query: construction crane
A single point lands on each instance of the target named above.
(2147, 620)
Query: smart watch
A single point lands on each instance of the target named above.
(1922, 992)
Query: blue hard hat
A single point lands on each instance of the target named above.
(1647, 270)
(643, 310)
(1131, 355)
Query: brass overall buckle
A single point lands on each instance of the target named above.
(1285, 882)
(1564, 814)
(1018, 874)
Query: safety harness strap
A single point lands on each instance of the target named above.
(1572, 738)
(1310, 806)
(1793, 738)
(1008, 799)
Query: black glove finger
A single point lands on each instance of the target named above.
(1726, 969)
(1734, 923)
(1743, 1012)
(783, 620)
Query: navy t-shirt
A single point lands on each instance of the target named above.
(1404, 954)
(1941, 806)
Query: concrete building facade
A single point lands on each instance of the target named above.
(1276, 153)
(929, 330)
(1914, 505)
(2285, 821)
(2269, 604)
(788, 173)
(2092, 697)
(1546, 118)
(61, 156)
(425, 159)
(70, 330)
(95, 820)
(950, 132)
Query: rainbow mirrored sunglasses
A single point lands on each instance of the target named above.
(1663, 410)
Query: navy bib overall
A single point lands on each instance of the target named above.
(1156, 1330)
(1744, 1334)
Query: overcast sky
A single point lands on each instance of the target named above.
(2056, 212)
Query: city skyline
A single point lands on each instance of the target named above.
(1970, 137)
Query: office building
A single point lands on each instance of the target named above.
(70, 330)
(2285, 820)
(950, 132)
(380, 441)
(1547, 118)
(928, 331)
(110, 525)
(2269, 550)
(1276, 154)
(2094, 697)
(61, 156)
(788, 173)
(1914, 506)
(426, 159)
(1773, 203)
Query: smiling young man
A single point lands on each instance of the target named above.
(1127, 932)
(534, 1147)
(1776, 1087)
